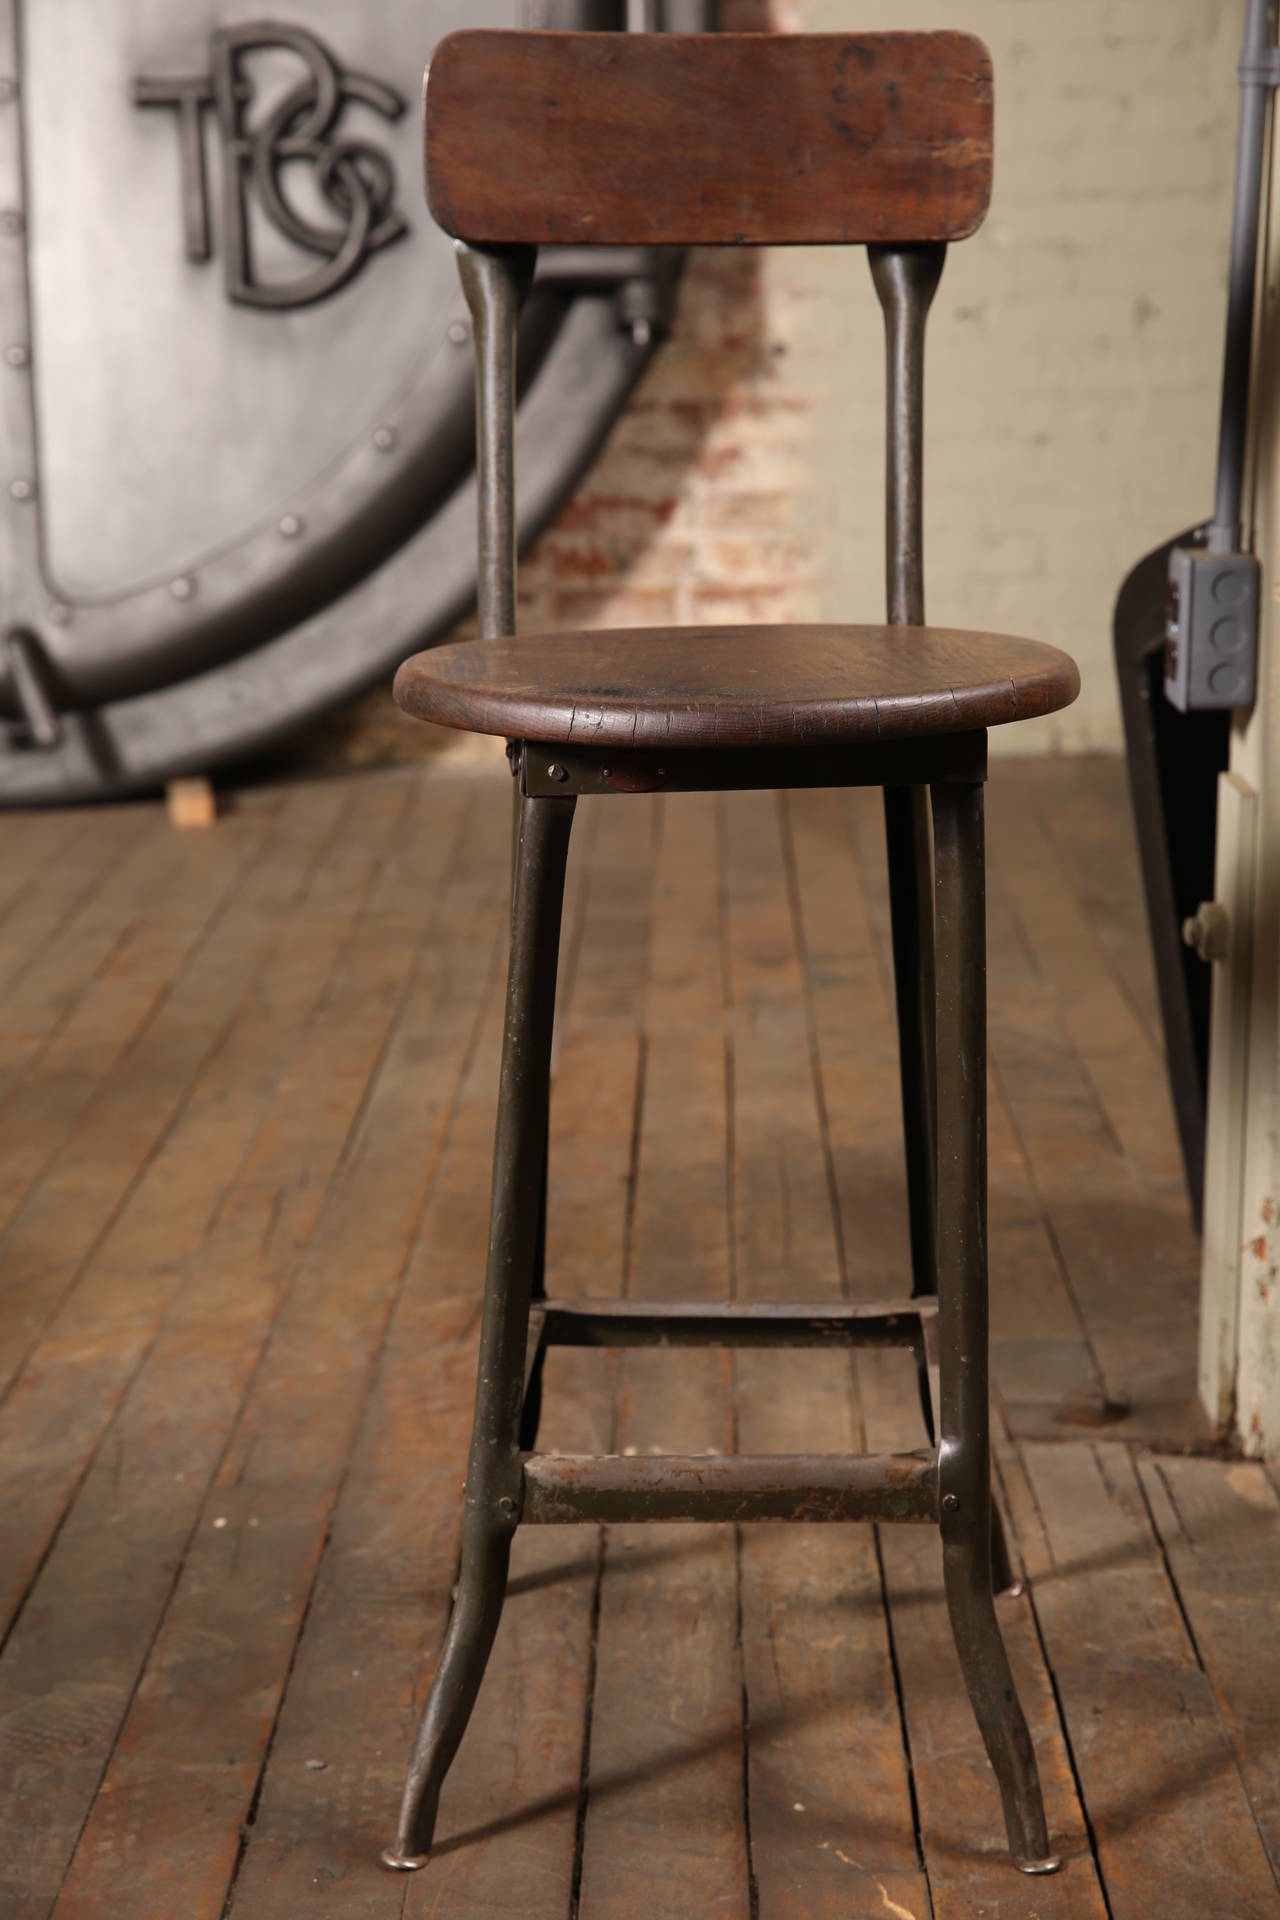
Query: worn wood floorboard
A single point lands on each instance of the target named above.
(239, 1298)
(81, 1364)
(391, 1555)
(1127, 1247)
(34, 850)
(1111, 1250)
(664, 1832)
(247, 1574)
(1219, 1529)
(93, 1141)
(61, 876)
(1083, 806)
(56, 1029)
(132, 1517)
(958, 1806)
(829, 1796)
(1115, 1047)
(1167, 1805)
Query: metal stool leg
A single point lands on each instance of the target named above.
(906, 820)
(964, 1465)
(491, 1502)
(531, 1413)
(1004, 1578)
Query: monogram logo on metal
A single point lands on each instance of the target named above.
(355, 179)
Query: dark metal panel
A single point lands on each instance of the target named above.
(1174, 760)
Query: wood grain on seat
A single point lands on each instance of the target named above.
(650, 139)
(678, 687)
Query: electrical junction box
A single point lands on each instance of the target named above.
(1211, 629)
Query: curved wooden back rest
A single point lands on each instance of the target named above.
(616, 139)
(647, 139)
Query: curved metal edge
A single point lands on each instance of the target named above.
(313, 546)
(236, 711)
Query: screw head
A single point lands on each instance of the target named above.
(951, 1503)
(556, 772)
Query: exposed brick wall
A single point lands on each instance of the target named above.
(695, 511)
(692, 513)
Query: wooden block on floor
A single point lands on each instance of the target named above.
(191, 803)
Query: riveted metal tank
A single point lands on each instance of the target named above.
(235, 372)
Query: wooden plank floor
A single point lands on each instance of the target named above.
(248, 1080)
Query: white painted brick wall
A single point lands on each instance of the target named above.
(1075, 347)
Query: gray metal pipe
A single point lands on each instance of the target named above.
(1256, 83)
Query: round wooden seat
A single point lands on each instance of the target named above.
(675, 687)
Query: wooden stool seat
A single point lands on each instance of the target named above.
(704, 687)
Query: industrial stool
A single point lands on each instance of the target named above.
(642, 139)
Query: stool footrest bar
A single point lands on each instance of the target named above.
(730, 1323)
(800, 1486)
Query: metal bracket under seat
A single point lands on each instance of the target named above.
(557, 772)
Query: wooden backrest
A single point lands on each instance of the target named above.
(648, 139)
